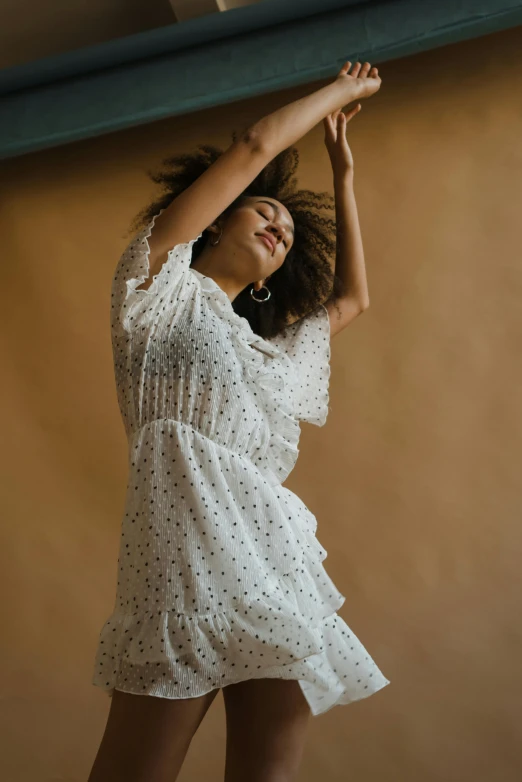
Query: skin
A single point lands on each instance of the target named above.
(242, 258)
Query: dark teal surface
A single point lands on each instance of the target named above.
(221, 58)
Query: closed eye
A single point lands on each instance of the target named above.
(267, 218)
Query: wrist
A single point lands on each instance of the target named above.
(343, 174)
(351, 89)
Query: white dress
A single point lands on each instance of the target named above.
(220, 575)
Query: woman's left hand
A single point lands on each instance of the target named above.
(335, 140)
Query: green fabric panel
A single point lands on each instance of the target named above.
(210, 62)
(164, 40)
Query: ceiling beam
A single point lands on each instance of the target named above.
(220, 58)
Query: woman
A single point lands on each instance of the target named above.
(220, 581)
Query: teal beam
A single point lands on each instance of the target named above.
(163, 40)
(222, 58)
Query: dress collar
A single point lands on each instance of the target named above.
(210, 285)
(222, 305)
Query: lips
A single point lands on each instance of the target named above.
(270, 240)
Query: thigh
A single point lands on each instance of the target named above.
(146, 737)
(267, 722)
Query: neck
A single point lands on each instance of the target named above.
(208, 263)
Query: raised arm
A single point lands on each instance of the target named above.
(204, 200)
(283, 127)
(349, 260)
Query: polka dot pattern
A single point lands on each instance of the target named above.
(220, 575)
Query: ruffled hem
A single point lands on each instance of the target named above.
(274, 628)
(270, 370)
(292, 633)
(289, 631)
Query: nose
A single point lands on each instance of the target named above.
(278, 232)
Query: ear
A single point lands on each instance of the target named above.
(260, 283)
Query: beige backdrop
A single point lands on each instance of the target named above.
(415, 479)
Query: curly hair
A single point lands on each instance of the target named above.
(305, 279)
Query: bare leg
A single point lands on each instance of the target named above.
(147, 738)
(266, 729)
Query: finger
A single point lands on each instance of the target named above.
(356, 69)
(329, 131)
(364, 71)
(328, 122)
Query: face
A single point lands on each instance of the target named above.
(246, 227)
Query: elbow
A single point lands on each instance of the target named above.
(254, 139)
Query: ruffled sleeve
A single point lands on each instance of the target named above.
(131, 306)
(307, 344)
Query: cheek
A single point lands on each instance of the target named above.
(250, 223)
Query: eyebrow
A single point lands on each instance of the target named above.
(278, 211)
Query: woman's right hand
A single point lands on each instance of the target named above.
(364, 77)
